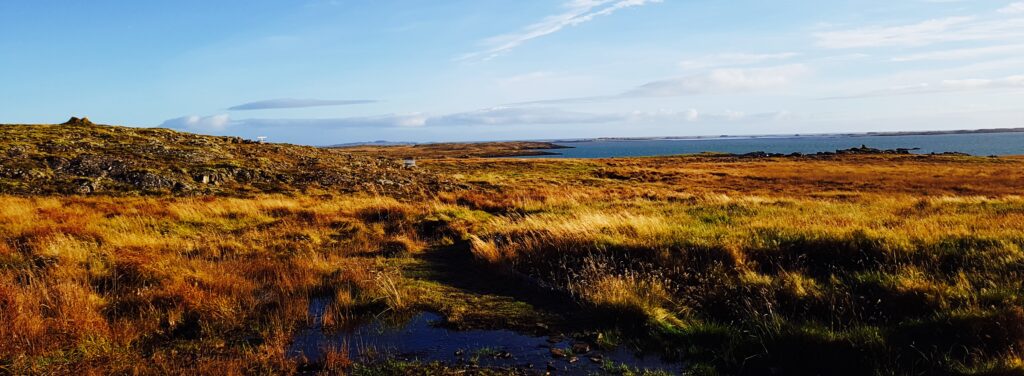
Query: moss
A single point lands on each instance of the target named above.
(469, 310)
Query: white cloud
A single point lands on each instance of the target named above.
(520, 115)
(577, 12)
(960, 54)
(694, 116)
(297, 103)
(722, 81)
(980, 83)
(525, 78)
(1011, 82)
(199, 123)
(951, 29)
(499, 116)
(734, 59)
(411, 120)
(1014, 8)
(490, 116)
(689, 116)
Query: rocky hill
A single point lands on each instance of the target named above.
(85, 158)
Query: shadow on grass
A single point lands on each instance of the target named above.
(456, 267)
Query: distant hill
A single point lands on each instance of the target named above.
(85, 158)
(457, 149)
(371, 143)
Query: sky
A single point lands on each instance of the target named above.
(324, 72)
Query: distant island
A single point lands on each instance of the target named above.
(934, 133)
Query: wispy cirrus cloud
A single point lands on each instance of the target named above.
(1013, 8)
(282, 103)
(519, 115)
(721, 81)
(576, 12)
(1010, 82)
(961, 53)
(716, 81)
(925, 33)
(733, 59)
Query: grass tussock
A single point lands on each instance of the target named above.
(86, 283)
(931, 279)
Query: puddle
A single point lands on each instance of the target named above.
(421, 338)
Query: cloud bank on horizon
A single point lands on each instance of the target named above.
(522, 70)
(272, 104)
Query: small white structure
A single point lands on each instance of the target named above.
(261, 139)
(409, 162)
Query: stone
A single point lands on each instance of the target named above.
(580, 348)
(85, 188)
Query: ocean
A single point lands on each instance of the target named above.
(981, 144)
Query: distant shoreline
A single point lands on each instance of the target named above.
(813, 135)
(458, 150)
(385, 143)
(936, 133)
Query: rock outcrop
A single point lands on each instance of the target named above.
(80, 157)
(78, 121)
(862, 150)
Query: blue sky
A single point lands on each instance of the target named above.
(334, 71)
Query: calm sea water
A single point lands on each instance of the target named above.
(975, 144)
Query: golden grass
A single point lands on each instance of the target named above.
(905, 264)
(681, 177)
(777, 265)
(81, 278)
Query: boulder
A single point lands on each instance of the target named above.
(580, 348)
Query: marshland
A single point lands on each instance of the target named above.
(700, 264)
(503, 187)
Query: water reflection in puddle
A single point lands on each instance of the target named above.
(420, 338)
